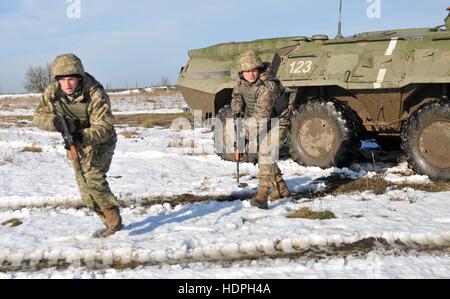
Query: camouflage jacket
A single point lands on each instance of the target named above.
(257, 100)
(90, 107)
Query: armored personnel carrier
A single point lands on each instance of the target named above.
(390, 85)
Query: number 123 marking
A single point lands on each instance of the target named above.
(300, 66)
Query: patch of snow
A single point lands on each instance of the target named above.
(17, 112)
(414, 179)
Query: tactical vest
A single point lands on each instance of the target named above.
(75, 113)
(249, 94)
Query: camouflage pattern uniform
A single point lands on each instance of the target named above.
(261, 101)
(87, 112)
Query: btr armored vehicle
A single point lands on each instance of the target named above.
(392, 86)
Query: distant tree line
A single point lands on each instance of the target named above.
(38, 77)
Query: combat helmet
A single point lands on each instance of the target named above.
(66, 65)
(249, 60)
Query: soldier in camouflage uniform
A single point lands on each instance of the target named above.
(260, 96)
(81, 101)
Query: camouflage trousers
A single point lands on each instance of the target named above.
(269, 172)
(269, 175)
(95, 192)
(284, 125)
(268, 145)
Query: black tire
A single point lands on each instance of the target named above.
(333, 134)
(389, 143)
(227, 154)
(426, 140)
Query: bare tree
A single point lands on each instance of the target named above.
(37, 78)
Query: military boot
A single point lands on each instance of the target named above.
(260, 199)
(112, 220)
(280, 190)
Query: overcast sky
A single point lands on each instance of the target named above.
(123, 43)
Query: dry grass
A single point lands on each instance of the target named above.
(6, 107)
(193, 154)
(15, 119)
(163, 92)
(20, 103)
(337, 185)
(18, 121)
(306, 213)
(7, 156)
(362, 246)
(164, 120)
(243, 173)
(153, 93)
(129, 134)
(13, 222)
(184, 199)
(32, 149)
(378, 186)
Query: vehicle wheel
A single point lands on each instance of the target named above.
(426, 140)
(224, 151)
(389, 143)
(323, 134)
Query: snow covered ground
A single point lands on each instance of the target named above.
(211, 238)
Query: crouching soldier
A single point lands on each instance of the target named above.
(76, 102)
(260, 96)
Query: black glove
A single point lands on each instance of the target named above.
(57, 123)
(77, 138)
(66, 145)
(73, 125)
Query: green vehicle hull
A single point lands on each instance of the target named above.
(381, 80)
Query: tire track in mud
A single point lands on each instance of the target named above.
(336, 184)
(305, 248)
(128, 201)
